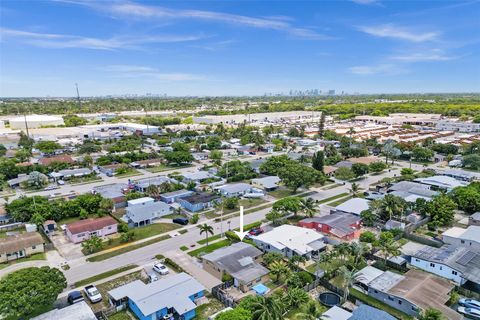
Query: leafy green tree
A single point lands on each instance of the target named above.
(348, 279)
(344, 173)
(194, 219)
(407, 172)
(294, 297)
(318, 161)
(368, 237)
(422, 154)
(279, 269)
(214, 142)
(274, 216)
(288, 205)
(472, 161)
(441, 209)
(94, 244)
(180, 147)
(178, 157)
(359, 169)
(27, 291)
(274, 164)
(47, 146)
(310, 311)
(389, 207)
(127, 236)
(249, 303)
(295, 176)
(230, 203)
(207, 229)
(216, 156)
(235, 314)
(368, 218)
(267, 308)
(25, 141)
(237, 170)
(377, 166)
(3, 150)
(72, 120)
(270, 257)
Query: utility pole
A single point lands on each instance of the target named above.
(26, 124)
(78, 96)
(223, 205)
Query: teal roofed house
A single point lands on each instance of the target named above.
(174, 297)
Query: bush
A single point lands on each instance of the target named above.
(194, 219)
(368, 237)
(396, 232)
(172, 264)
(232, 236)
(306, 277)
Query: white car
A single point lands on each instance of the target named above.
(152, 277)
(161, 268)
(93, 294)
(469, 303)
(470, 312)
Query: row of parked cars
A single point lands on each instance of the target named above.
(469, 307)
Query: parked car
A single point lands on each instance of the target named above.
(161, 268)
(469, 303)
(182, 221)
(50, 188)
(470, 312)
(60, 182)
(255, 231)
(152, 277)
(93, 294)
(75, 297)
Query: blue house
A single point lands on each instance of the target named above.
(171, 197)
(199, 201)
(174, 297)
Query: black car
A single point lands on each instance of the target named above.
(182, 221)
(75, 297)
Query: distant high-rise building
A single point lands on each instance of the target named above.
(331, 92)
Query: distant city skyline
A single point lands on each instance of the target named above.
(222, 48)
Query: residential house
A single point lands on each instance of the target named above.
(239, 260)
(198, 201)
(474, 219)
(267, 183)
(247, 150)
(70, 173)
(198, 156)
(410, 293)
(459, 264)
(20, 246)
(144, 214)
(353, 206)
(77, 311)
(82, 230)
(329, 170)
(171, 197)
(16, 182)
(140, 201)
(196, 177)
(147, 163)
(342, 225)
(115, 192)
(111, 169)
(344, 164)
(234, 189)
(411, 191)
(460, 174)
(362, 312)
(142, 184)
(174, 297)
(460, 237)
(255, 164)
(443, 183)
(64, 158)
(290, 241)
(4, 216)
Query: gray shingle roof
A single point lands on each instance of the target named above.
(147, 211)
(364, 312)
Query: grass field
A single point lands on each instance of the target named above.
(210, 248)
(104, 275)
(129, 173)
(338, 196)
(163, 168)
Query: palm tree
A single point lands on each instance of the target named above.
(359, 249)
(308, 206)
(391, 206)
(296, 260)
(267, 308)
(389, 249)
(295, 297)
(93, 244)
(153, 191)
(207, 229)
(431, 314)
(310, 311)
(354, 187)
(279, 268)
(349, 277)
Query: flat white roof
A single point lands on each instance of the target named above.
(140, 200)
(471, 233)
(336, 313)
(355, 206)
(292, 237)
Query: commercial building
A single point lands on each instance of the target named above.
(457, 125)
(290, 241)
(240, 261)
(259, 118)
(82, 230)
(174, 297)
(20, 246)
(35, 121)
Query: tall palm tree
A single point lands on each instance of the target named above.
(207, 229)
(278, 269)
(308, 206)
(359, 249)
(349, 277)
(389, 249)
(391, 206)
(267, 308)
(153, 191)
(310, 311)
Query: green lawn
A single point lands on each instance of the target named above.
(110, 254)
(339, 201)
(184, 248)
(205, 310)
(83, 180)
(338, 196)
(210, 239)
(122, 315)
(129, 173)
(103, 275)
(36, 256)
(281, 193)
(210, 248)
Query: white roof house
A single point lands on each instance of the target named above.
(336, 313)
(140, 201)
(77, 311)
(353, 206)
(270, 182)
(469, 237)
(287, 239)
(442, 182)
(234, 189)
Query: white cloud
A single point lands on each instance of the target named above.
(376, 69)
(418, 57)
(49, 40)
(139, 11)
(395, 32)
(136, 71)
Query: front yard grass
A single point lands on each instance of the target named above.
(163, 167)
(281, 193)
(338, 196)
(104, 275)
(129, 173)
(210, 248)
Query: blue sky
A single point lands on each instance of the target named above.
(237, 47)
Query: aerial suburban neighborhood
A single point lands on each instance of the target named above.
(169, 160)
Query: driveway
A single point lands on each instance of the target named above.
(65, 247)
(194, 268)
